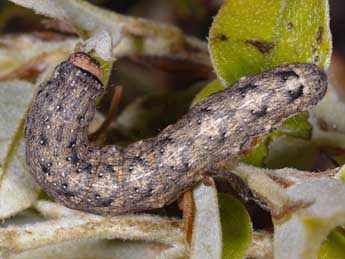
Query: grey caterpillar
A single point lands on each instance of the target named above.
(153, 172)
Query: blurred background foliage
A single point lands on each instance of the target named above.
(192, 16)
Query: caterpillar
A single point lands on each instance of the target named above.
(152, 173)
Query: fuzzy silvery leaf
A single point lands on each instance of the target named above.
(18, 190)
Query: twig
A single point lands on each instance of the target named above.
(268, 186)
(77, 226)
(187, 206)
(130, 35)
(285, 176)
(111, 114)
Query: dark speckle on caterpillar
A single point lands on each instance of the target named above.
(153, 172)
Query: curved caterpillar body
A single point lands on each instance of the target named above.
(153, 172)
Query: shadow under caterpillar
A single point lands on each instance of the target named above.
(153, 172)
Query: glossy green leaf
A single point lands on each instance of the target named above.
(249, 36)
(236, 227)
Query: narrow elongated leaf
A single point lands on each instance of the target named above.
(17, 188)
(207, 229)
(109, 249)
(21, 240)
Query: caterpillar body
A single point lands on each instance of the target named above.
(153, 172)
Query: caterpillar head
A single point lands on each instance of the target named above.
(87, 63)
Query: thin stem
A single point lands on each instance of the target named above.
(111, 114)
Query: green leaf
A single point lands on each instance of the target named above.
(106, 68)
(236, 227)
(250, 36)
(211, 88)
(333, 247)
(287, 146)
(341, 174)
(297, 126)
(257, 156)
(287, 151)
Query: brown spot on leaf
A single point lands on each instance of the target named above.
(262, 46)
(319, 35)
(313, 49)
(222, 37)
(283, 182)
(289, 26)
